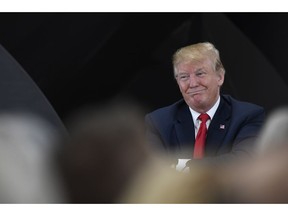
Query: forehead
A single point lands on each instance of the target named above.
(194, 65)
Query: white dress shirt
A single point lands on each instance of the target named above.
(210, 112)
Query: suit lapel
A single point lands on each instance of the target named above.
(218, 128)
(184, 129)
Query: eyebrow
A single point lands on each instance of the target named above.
(184, 72)
(200, 69)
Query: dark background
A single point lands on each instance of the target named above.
(77, 59)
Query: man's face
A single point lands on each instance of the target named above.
(199, 84)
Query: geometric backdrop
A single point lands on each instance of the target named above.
(77, 59)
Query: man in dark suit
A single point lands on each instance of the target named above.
(232, 125)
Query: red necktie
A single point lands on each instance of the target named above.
(201, 137)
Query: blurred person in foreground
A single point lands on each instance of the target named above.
(160, 185)
(28, 173)
(274, 134)
(106, 151)
(232, 125)
(263, 178)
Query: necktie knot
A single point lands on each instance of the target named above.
(204, 117)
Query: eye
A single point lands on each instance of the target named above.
(200, 73)
(183, 77)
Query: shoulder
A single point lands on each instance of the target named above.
(168, 112)
(237, 103)
(169, 108)
(243, 107)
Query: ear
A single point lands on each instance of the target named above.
(220, 78)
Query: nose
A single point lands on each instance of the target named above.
(193, 82)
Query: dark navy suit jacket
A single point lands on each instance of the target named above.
(231, 132)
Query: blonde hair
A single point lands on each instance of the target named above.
(198, 52)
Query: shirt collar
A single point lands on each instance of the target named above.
(210, 112)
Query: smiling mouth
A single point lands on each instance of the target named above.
(197, 92)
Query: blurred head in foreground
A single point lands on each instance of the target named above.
(162, 185)
(274, 134)
(106, 150)
(263, 179)
(27, 152)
